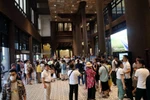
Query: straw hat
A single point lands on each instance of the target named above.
(88, 64)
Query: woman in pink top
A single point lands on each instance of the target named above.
(90, 81)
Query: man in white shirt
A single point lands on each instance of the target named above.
(73, 81)
(140, 75)
(113, 74)
(46, 80)
(128, 80)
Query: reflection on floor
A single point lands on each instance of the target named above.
(60, 91)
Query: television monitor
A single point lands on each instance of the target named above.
(119, 41)
(121, 55)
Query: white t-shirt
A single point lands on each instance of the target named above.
(141, 75)
(119, 72)
(47, 75)
(73, 79)
(127, 66)
(113, 65)
(14, 91)
(25, 68)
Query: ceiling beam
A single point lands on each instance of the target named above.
(42, 1)
(43, 11)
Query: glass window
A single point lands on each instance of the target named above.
(32, 15)
(123, 7)
(67, 27)
(88, 26)
(95, 28)
(60, 26)
(17, 1)
(119, 10)
(70, 26)
(114, 13)
(24, 6)
(21, 3)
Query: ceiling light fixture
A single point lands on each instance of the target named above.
(54, 5)
(55, 16)
(87, 6)
(72, 5)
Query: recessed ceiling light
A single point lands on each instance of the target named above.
(87, 6)
(54, 5)
(72, 5)
(71, 11)
(55, 16)
(95, 12)
(90, 19)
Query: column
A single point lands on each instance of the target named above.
(138, 26)
(100, 26)
(12, 42)
(30, 49)
(78, 38)
(85, 38)
(74, 40)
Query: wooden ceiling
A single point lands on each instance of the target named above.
(65, 7)
(69, 7)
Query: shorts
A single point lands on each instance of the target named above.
(105, 86)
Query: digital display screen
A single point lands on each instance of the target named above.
(121, 55)
(119, 41)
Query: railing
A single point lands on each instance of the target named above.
(20, 9)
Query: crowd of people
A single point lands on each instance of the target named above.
(98, 74)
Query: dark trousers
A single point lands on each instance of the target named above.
(128, 83)
(73, 88)
(91, 93)
(80, 77)
(140, 93)
(113, 74)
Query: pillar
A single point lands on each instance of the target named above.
(78, 40)
(83, 17)
(12, 42)
(74, 40)
(30, 49)
(100, 26)
(138, 26)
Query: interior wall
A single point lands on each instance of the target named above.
(44, 25)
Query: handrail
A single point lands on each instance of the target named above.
(21, 10)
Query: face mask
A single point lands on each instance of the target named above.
(12, 78)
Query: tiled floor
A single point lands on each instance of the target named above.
(60, 92)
